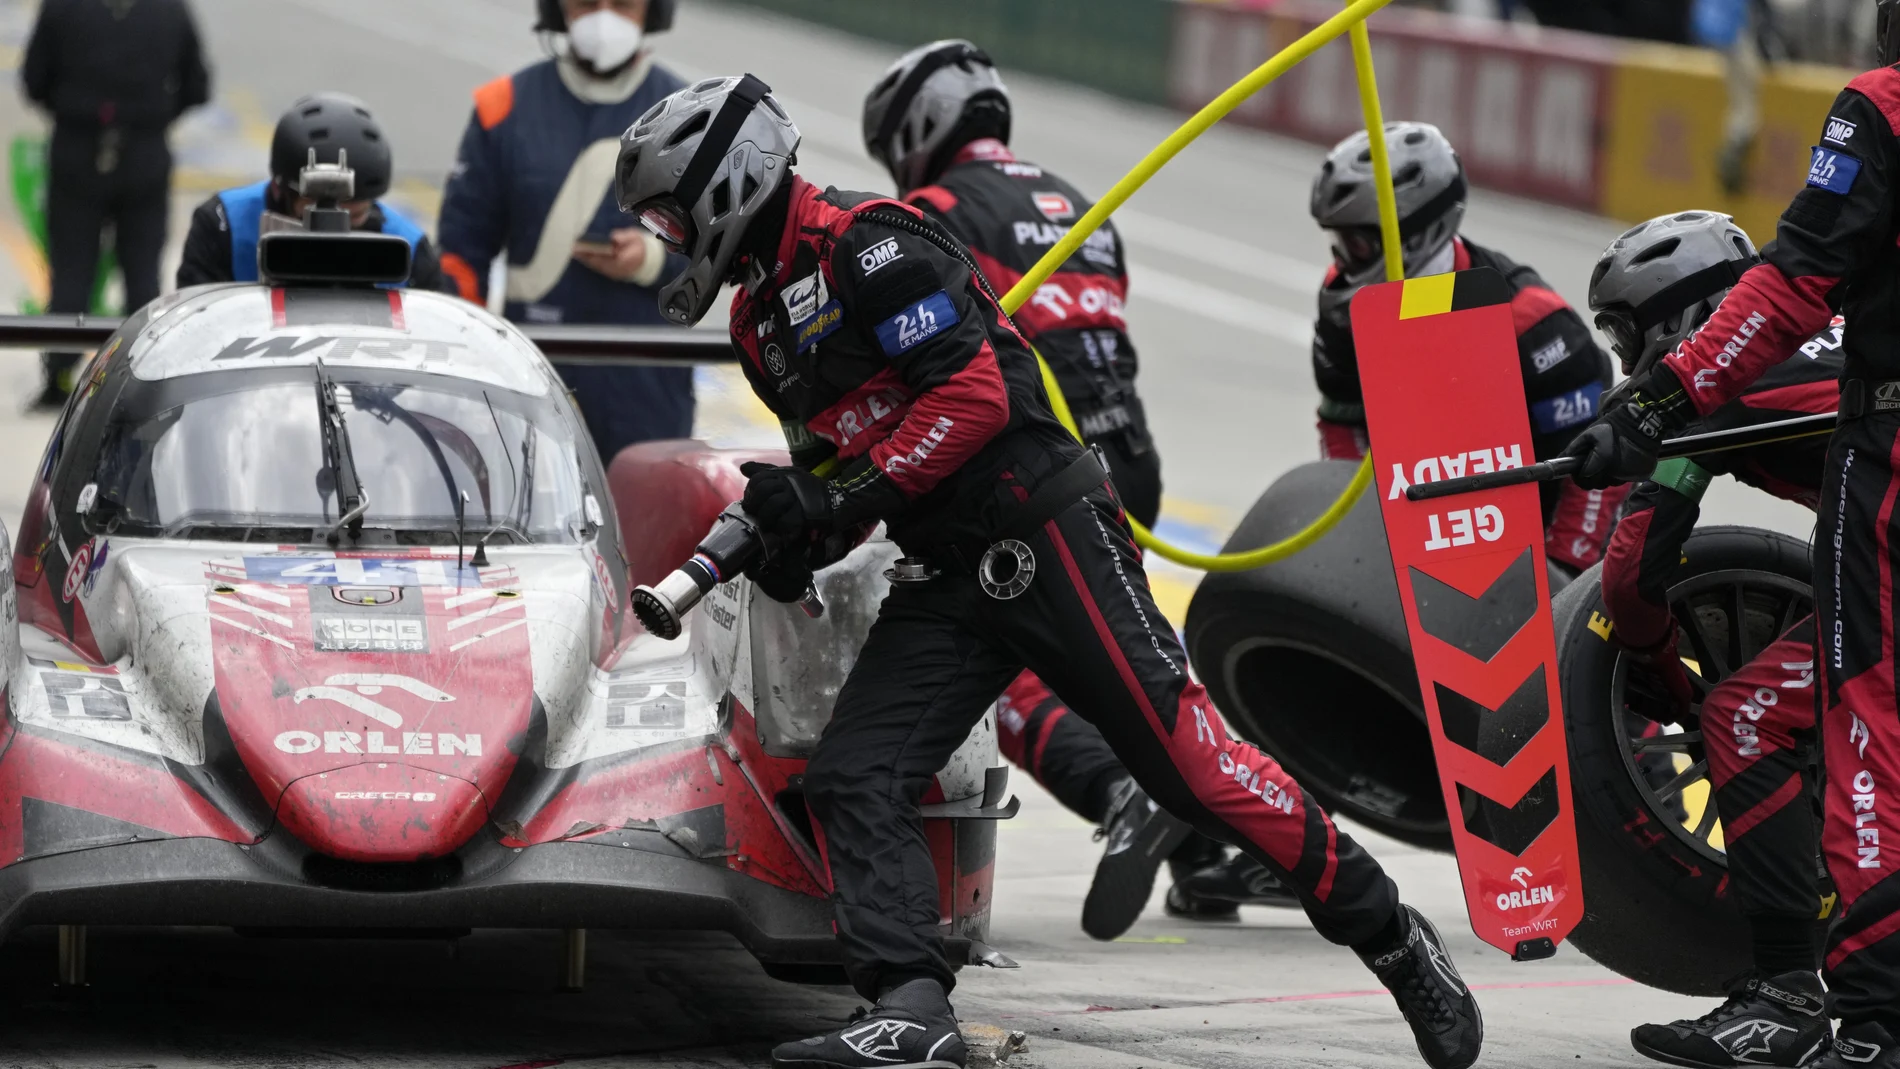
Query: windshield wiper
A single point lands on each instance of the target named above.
(351, 499)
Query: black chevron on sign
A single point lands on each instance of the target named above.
(1496, 734)
(1480, 626)
(1512, 828)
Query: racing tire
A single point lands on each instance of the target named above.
(1656, 907)
(1308, 658)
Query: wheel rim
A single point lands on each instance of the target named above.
(1724, 619)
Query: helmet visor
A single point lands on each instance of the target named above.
(1619, 325)
(668, 222)
(1357, 246)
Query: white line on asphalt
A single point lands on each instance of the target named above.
(1218, 305)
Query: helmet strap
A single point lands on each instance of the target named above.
(1688, 290)
(719, 136)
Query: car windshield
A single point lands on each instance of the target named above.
(249, 463)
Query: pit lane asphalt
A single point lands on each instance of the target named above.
(1223, 262)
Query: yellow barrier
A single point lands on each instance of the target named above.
(1351, 20)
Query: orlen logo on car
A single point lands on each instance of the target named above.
(385, 796)
(1527, 896)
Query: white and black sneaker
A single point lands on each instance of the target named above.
(1433, 997)
(1140, 836)
(1780, 1020)
(1865, 1045)
(911, 1027)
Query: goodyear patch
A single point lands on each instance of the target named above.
(1567, 409)
(917, 324)
(827, 319)
(1832, 171)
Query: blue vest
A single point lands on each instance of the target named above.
(244, 210)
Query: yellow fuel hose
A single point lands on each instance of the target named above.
(1351, 20)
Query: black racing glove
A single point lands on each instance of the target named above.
(784, 577)
(789, 502)
(1624, 442)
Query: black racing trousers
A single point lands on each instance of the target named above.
(117, 176)
(942, 651)
(1856, 554)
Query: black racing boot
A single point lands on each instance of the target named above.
(1780, 1020)
(1195, 853)
(911, 1027)
(1188, 906)
(1140, 837)
(1866, 1045)
(1240, 880)
(1433, 997)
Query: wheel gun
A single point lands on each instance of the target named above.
(733, 545)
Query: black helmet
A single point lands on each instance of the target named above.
(333, 124)
(553, 20)
(914, 110)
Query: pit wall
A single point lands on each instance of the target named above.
(1620, 128)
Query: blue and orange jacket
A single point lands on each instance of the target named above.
(533, 176)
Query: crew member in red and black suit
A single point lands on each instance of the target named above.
(1654, 286)
(1565, 374)
(875, 339)
(1836, 251)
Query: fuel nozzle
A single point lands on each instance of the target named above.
(734, 542)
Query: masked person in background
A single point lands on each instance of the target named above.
(534, 180)
(113, 77)
(939, 122)
(1655, 286)
(874, 338)
(221, 245)
(1835, 252)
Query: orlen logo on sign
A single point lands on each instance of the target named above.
(1054, 207)
(1526, 897)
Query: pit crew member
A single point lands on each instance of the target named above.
(1653, 287)
(939, 121)
(534, 179)
(1835, 251)
(873, 337)
(1565, 374)
(221, 245)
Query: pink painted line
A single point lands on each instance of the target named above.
(1614, 981)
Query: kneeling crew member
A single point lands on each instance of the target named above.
(1654, 286)
(222, 243)
(872, 336)
(1835, 251)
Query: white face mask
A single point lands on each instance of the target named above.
(605, 39)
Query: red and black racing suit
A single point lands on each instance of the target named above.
(1835, 251)
(1757, 724)
(1009, 213)
(1565, 376)
(875, 343)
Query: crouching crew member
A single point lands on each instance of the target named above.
(222, 243)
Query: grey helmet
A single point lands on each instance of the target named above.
(698, 168)
(911, 112)
(1428, 180)
(1662, 279)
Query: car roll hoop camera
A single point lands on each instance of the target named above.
(326, 251)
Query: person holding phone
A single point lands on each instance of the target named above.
(533, 181)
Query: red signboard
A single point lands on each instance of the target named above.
(1438, 364)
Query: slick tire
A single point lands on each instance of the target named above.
(1308, 659)
(1656, 905)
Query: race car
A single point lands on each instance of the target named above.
(1310, 659)
(318, 618)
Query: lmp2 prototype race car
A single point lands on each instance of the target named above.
(317, 619)
(1310, 659)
